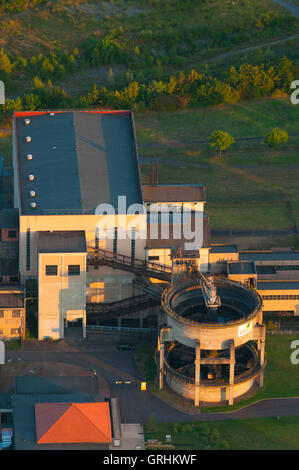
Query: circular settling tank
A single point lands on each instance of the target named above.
(224, 342)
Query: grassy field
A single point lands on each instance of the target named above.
(176, 35)
(281, 377)
(244, 119)
(251, 186)
(250, 434)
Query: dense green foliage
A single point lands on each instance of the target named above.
(222, 140)
(276, 137)
(192, 89)
(240, 434)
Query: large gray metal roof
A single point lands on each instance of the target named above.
(79, 160)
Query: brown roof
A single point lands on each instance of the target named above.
(174, 193)
(72, 423)
(172, 242)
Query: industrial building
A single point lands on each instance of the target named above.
(80, 242)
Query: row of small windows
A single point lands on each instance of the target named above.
(14, 314)
(13, 331)
(73, 270)
(287, 267)
(280, 297)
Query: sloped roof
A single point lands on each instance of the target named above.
(58, 423)
(174, 193)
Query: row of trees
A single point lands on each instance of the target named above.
(192, 89)
(223, 140)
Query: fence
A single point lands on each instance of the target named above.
(119, 329)
(283, 332)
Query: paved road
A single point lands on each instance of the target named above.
(291, 7)
(137, 406)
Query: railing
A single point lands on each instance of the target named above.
(173, 292)
(117, 329)
(283, 332)
(250, 374)
(98, 256)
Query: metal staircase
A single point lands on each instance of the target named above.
(107, 311)
(100, 257)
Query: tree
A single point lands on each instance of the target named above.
(222, 140)
(5, 63)
(276, 137)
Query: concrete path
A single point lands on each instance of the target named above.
(291, 7)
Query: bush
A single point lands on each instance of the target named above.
(168, 103)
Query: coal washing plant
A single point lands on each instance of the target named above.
(211, 348)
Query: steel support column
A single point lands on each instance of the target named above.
(197, 374)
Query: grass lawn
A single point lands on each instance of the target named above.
(249, 434)
(281, 377)
(6, 148)
(243, 119)
(249, 187)
(145, 359)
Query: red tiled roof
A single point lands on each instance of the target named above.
(62, 423)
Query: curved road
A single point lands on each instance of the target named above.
(137, 406)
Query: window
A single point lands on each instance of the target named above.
(97, 237)
(1, 331)
(13, 279)
(133, 242)
(74, 270)
(51, 270)
(1, 313)
(115, 240)
(154, 258)
(16, 314)
(14, 331)
(28, 249)
(12, 234)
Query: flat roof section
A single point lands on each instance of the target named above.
(171, 241)
(279, 285)
(80, 159)
(11, 300)
(269, 255)
(242, 267)
(72, 241)
(224, 249)
(9, 218)
(174, 193)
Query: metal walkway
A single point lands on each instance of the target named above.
(108, 311)
(98, 257)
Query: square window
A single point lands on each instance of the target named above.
(16, 314)
(14, 331)
(51, 270)
(74, 270)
